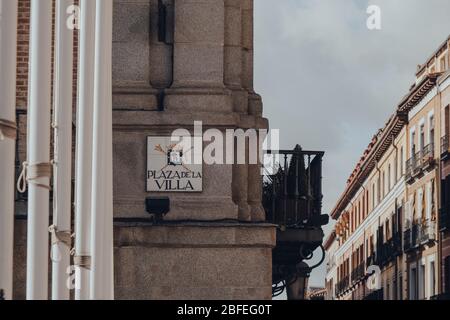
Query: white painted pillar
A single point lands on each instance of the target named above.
(62, 196)
(39, 102)
(83, 171)
(102, 277)
(8, 45)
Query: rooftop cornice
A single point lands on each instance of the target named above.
(383, 140)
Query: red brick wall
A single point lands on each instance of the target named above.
(23, 38)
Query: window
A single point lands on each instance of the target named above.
(413, 284)
(429, 198)
(373, 196)
(389, 178)
(443, 64)
(447, 274)
(422, 137)
(395, 173)
(402, 160)
(432, 279)
(419, 204)
(388, 291)
(359, 213)
(413, 143)
(422, 282)
(400, 288)
(447, 121)
(387, 230)
(378, 190)
(394, 290)
(431, 129)
(367, 204)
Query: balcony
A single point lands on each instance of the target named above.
(342, 286)
(420, 162)
(410, 165)
(358, 273)
(407, 240)
(441, 297)
(292, 189)
(371, 260)
(389, 250)
(445, 147)
(427, 232)
(428, 159)
(375, 295)
(292, 199)
(419, 234)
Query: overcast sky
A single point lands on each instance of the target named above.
(329, 83)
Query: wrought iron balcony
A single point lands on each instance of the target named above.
(427, 232)
(371, 260)
(410, 237)
(292, 200)
(410, 164)
(407, 240)
(441, 297)
(419, 234)
(428, 159)
(445, 146)
(292, 194)
(358, 273)
(422, 160)
(389, 250)
(342, 286)
(375, 295)
(417, 169)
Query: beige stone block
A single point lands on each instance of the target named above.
(198, 65)
(199, 21)
(196, 263)
(233, 66)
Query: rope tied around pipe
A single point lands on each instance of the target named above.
(8, 129)
(64, 237)
(82, 261)
(31, 173)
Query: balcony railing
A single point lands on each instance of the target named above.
(389, 250)
(407, 240)
(421, 161)
(410, 164)
(427, 232)
(375, 295)
(342, 286)
(358, 273)
(419, 234)
(292, 192)
(445, 146)
(428, 156)
(371, 260)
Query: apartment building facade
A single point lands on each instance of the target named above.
(390, 240)
(444, 217)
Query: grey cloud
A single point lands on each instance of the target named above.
(329, 83)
